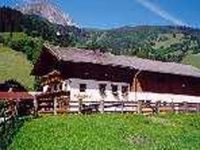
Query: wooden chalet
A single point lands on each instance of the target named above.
(71, 74)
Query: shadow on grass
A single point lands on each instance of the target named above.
(9, 129)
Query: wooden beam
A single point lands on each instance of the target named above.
(135, 81)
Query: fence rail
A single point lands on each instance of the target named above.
(142, 107)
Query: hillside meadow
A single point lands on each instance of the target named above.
(15, 66)
(110, 132)
(192, 59)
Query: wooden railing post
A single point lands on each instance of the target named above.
(139, 106)
(55, 106)
(122, 107)
(17, 107)
(185, 106)
(102, 106)
(4, 116)
(172, 106)
(198, 107)
(158, 104)
(35, 104)
(80, 102)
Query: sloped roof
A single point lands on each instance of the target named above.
(88, 56)
(15, 95)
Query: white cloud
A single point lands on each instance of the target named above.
(161, 12)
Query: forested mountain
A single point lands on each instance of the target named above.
(36, 30)
(35, 26)
(165, 43)
(27, 33)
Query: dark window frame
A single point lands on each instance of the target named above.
(115, 89)
(82, 87)
(102, 89)
(125, 89)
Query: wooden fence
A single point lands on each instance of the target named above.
(9, 122)
(140, 107)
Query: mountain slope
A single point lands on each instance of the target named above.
(165, 43)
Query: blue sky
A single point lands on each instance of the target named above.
(116, 13)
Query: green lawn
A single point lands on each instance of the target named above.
(110, 132)
(14, 65)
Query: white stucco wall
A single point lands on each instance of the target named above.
(167, 97)
(92, 92)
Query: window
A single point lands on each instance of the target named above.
(83, 87)
(124, 90)
(114, 90)
(102, 89)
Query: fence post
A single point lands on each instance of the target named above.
(102, 106)
(80, 105)
(35, 103)
(17, 107)
(172, 106)
(185, 106)
(122, 107)
(158, 104)
(198, 107)
(55, 106)
(139, 106)
(4, 117)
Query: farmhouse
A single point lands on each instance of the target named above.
(68, 74)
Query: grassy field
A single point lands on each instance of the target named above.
(110, 132)
(14, 65)
(192, 60)
(170, 40)
(16, 35)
